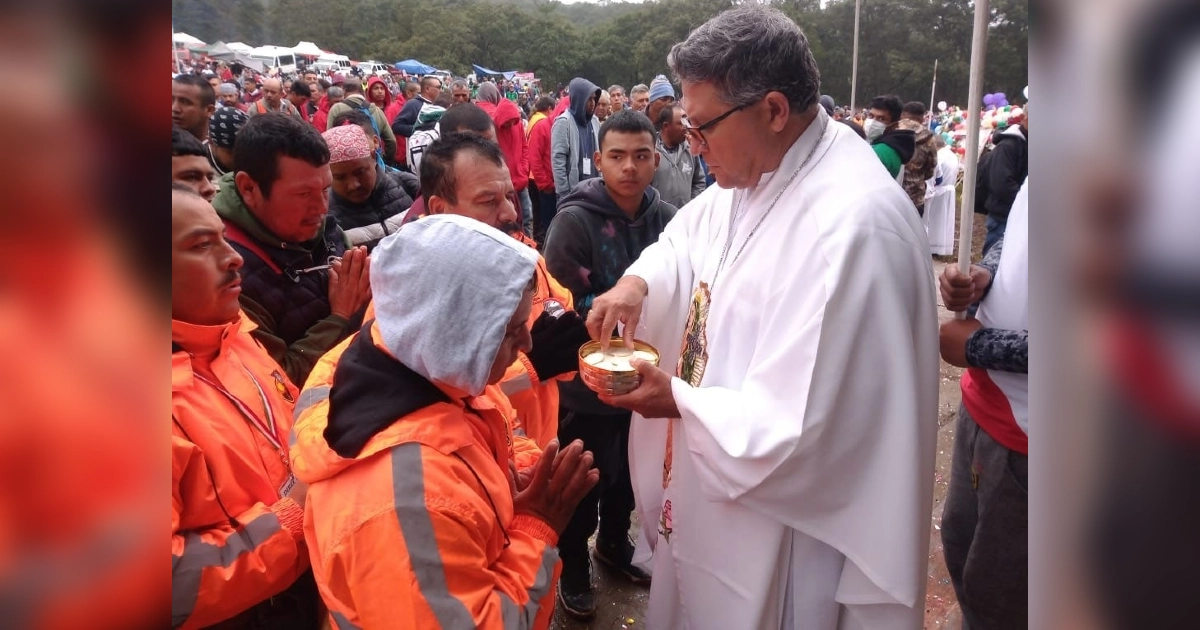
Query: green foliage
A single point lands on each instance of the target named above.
(627, 43)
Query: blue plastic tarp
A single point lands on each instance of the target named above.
(482, 70)
(412, 66)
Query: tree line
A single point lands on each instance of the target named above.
(626, 43)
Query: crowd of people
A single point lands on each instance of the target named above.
(379, 296)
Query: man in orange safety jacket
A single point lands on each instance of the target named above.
(237, 540)
(424, 509)
(531, 382)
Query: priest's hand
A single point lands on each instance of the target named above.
(953, 338)
(622, 303)
(653, 399)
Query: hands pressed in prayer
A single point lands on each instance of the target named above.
(952, 338)
(653, 399)
(556, 484)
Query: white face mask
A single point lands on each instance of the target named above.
(874, 129)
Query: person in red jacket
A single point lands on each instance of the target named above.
(539, 166)
(391, 112)
(333, 96)
(237, 512)
(510, 135)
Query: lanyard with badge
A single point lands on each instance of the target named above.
(266, 428)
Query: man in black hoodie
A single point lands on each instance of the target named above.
(893, 145)
(601, 227)
(1006, 167)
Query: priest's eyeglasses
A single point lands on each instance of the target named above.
(697, 133)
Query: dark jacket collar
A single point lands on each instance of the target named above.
(371, 391)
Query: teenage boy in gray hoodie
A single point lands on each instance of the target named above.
(573, 137)
(601, 227)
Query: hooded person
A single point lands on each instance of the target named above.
(469, 147)
(381, 96)
(367, 200)
(573, 137)
(1003, 172)
(425, 510)
(510, 135)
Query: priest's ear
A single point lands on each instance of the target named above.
(779, 111)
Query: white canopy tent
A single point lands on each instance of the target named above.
(239, 47)
(186, 40)
(308, 49)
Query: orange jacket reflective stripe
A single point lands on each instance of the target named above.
(234, 542)
(412, 524)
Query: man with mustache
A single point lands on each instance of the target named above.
(237, 517)
(303, 288)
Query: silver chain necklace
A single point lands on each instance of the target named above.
(741, 203)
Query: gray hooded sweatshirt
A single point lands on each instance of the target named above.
(445, 288)
(574, 137)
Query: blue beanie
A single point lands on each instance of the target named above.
(661, 87)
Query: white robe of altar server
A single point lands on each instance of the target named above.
(803, 464)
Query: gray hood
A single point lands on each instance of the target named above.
(488, 92)
(579, 91)
(445, 288)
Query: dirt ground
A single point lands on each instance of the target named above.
(621, 605)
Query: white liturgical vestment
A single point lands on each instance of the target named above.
(801, 479)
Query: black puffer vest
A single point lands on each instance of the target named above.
(296, 299)
(382, 212)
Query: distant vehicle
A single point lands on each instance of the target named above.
(276, 57)
(339, 63)
(377, 68)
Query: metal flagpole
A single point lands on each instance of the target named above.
(854, 64)
(974, 106)
(933, 90)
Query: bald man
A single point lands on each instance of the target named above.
(272, 100)
(604, 106)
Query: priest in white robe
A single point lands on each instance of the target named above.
(782, 456)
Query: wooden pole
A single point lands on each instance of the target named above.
(854, 64)
(974, 107)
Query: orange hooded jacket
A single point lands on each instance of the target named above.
(409, 514)
(536, 401)
(236, 541)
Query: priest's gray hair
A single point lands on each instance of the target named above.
(747, 52)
